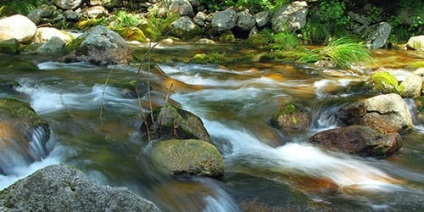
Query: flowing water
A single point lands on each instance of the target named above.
(95, 128)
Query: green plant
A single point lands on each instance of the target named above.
(315, 32)
(333, 13)
(343, 52)
(10, 7)
(124, 19)
(284, 40)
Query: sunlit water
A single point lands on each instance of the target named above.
(235, 106)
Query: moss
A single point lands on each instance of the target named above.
(384, 82)
(20, 110)
(416, 65)
(132, 34)
(227, 37)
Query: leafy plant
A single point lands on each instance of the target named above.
(315, 32)
(10, 7)
(284, 40)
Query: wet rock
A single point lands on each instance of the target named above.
(262, 18)
(95, 12)
(44, 34)
(68, 4)
(412, 86)
(18, 27)
(416, 43)
(205, 41)
(24, 136)
(200, 19)
(185, 28)
(359, 140)
(170, 122)
(291, 119)
(99, 45)
(188, 157)
(224, 20)
(384, 82)
(62, 188)
(245, 20)
(10, 46)
(387, 113)
(378, 35)
(53, 46)
(291, 16)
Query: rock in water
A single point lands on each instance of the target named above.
(62, 188)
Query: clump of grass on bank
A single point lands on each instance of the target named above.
(276, 41)
(343, 52)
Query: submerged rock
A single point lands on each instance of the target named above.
(387, 113)
(62, 188)
(170, 122)
(291, 119)
(188, 157)
(100, 46)
(24, 136)
(359, 140)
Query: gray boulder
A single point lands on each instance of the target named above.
(185, 28)
(99, 45)
(224, 20)
(245, 20)
(62, 188)
(170, 122)
(378, 35)
(262, 18)
(359, 140)
(181, 8)
(187, 157)
(68, 4)
(387, 113)
(53, 46)
(40, 13)
(291, 17)
(18, 27)
(416, 43)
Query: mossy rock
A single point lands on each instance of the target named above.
(170, 122)
(188, 157)
(20, 111)
(199, 58)
(132, 34)
(384, 82)
(291, 119)
(227, 37)
(10, 46)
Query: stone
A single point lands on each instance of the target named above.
(245, 20)
(71, 15)
(200, 19)
(170, 122)
(378, 35)
(224, 20)
(412, 86)
(262, 18)
(181, 8)
(187, 157)
(53, 46)
(63, 188)
(95, 12)
(24, 136)
(10, 46)
(386, 113)
(40, 13)
(359, 140)
(205, 41)
(185, 28)
(44, 34)
(416, 43)
(99, 45)
(68, 4)
(18, 27)
(290, 17)
(291, 119)
(384, 82)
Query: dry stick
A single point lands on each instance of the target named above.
(103, 95)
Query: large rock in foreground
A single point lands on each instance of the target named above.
(387, 113)
(359, 140)
(18, 27)
(170, 122)
(61, 188)
(188, 157)
(100, 46)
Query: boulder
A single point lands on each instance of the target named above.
(378, 35)
(185, 28)
(37, 15)
(99, 45)
(18, 27)
(68, 4)
(262, 18)
(170, 122)
(63, 188)
(181, 8)
(359, 140)
(24, 136)
(44, 34)
(416, 43)
(71, 15)
(387, 113)
(10, 46)
(412, 86)
(95, 12)
(384, 82)
(54, 46)
(291, 16)
(291, 119)
(187, 157)
(200, 19)
(245, 20)
(224, 20)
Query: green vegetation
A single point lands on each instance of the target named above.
(384, 82)
(408, 20)
(10, 7)
(253, 5)
(277, 41)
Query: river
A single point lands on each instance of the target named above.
(95, 127)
